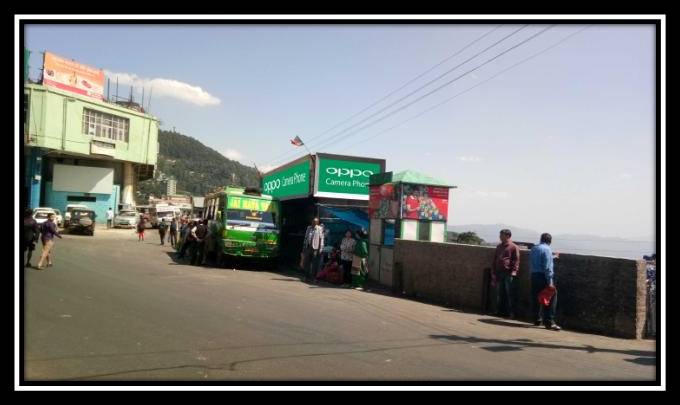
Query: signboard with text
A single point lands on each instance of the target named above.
(72, 76)
(348, 179)
(290, 182)
(250, 204)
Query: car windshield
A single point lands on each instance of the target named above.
(42, 214)
(128, 214)
(82, 213)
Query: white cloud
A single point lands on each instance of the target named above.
(471, 159)
(232, 154)
(167, 88)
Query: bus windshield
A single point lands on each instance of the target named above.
(248, 217)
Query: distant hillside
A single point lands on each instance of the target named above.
(567, 243)
(196, 167)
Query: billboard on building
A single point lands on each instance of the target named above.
(424, 202)
(291, 181)
(82, 179)
(72, 76)
(345, 176)
(383, 202)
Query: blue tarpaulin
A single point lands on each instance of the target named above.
(354, 216)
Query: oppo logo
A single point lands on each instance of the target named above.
(272, 185)
(343, 172)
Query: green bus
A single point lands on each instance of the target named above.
(247, 221)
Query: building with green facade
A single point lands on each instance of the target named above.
(78, 149)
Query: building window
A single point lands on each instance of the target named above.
(107, 126)
(78, 198)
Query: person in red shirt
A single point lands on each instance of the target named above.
(505, 267)
(412, 205)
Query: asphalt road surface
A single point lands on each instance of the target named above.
(113, 308)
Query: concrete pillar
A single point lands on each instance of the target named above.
(128, 184)
(34, 177)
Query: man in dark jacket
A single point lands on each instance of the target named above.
(201, 231)
(505, 267)
(31, 234)
(161, 231)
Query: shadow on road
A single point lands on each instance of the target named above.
(644, 361)
(504, 323)
(644, 356)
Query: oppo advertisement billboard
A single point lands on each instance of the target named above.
(347, 179)
(289, 182)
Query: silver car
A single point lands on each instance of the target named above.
(126, 219)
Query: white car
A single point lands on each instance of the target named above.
(40, 214)
(59, 218)
(126, 219)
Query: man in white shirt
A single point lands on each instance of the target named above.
(311, 249)
(109, 218)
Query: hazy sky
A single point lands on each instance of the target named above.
(564, 143)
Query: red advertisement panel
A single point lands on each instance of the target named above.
(383, 202)
(425, 202)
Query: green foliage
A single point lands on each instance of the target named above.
(451, 236)
(196, 168)
(469, 238)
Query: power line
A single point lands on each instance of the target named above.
(440, 87)
(414, 79)
(465, 91)
(282, 156)
(420, 88)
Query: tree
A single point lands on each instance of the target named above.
(451, 236)
(470, 238)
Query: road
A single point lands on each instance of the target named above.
(113, 308)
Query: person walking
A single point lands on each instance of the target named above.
(361, 251)
(30, 236)
(200, 233)
(505, 267)
(141, 226)
(47, 233)
(109, 218)
(161, 231)
(173, 232)
(311, 249)
(347, 247)
(542, 276)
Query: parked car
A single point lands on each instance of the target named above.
(40, 214)
(69, 209)
(59, 218)
(82, 221)
(126, 219)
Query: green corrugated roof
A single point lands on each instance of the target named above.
(410, 176)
